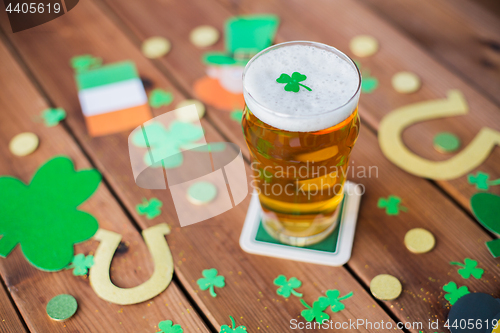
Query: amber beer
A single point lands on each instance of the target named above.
(300, 123)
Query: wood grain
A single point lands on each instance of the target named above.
(9, 319)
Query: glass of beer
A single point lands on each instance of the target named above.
(300, 124)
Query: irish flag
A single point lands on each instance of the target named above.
(112, 98)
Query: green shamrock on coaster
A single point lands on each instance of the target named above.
(52, 116)
(316, 312)
(234, 329)
(469, 267)
(167, 326)
(392, 205)
(81, 264)
(287, 286)
(160, 97)
(454, 293)
(85, 62)
(481, 180)
(149, 208)
(334, 300)
(292, 82)
(210, 280)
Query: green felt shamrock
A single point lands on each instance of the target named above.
(392, 205)
(165, 145)
(237, 115)
(149, 208)
(52, 116)
(287, 287)
(316, 312)
(211, 280)
(160, 97)
(43, 216)
(454, 293)
(85, 62)
(469, 268)
(81, 264)
(292, 83)
(334, 300)
(234, 329)
(481, 180)
(167, 326)
(486, 209)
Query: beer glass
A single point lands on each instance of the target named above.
(300, 124)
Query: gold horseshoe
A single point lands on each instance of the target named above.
(158, 282)
(391, 143)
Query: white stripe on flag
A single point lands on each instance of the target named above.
(112, 97)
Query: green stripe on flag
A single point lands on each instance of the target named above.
(108, 74)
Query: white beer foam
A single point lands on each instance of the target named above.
(333, 80)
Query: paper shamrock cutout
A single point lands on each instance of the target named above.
(160, 97)
(167, 144)
(292, 83)
(454, 293)
(52, 116)
(211, 280)
(234, 329)
(334, 300)
(85, 62)
(469, 268)
(149, 208)
(43, 216)
(392, 205)
(486, 209)
(81, 264)
(316, 312)
(287, 287)
(481, 180)
(167, 326)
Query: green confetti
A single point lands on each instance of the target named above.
(167, 326)
(287, 286)
(202, 192)
(446, 142)
(52, 116)
(316, 312)
(234, 329)
(61, 307)
(159, 97)
(237, 115)
(481, 180)
(81, 264)
(85, 62)
(368, 83)
(210, 280)
(334, 300)
(149, 208)
(392, 205)
(454, 293)
(292, 83)
(469, 268)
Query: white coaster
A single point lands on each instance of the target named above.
(338, 257)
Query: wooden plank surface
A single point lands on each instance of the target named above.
(458, 236)
(31, 288)
(9, 319)
(250, 295)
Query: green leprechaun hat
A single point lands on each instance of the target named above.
(245, 36)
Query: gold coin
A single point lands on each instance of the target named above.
(23, 144)
(363, 45)
(155, 47)
(419, 240)
(405, 82)
(204, 35)
(189, 117)
(385, 287)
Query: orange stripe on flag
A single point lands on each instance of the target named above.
(117, 121)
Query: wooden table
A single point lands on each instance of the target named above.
(450, 44)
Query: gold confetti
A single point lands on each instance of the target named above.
(23, 144)
(204, 35)
(405, 82)
(189, 116)
(419, 240)
(386, 287)
(363, 45)
(155, 47)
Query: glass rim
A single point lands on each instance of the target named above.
(332, 49)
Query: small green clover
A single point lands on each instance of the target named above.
(81, 264)
(392, 205)
(316, 312)
(52, 116)
(481, 180)
(234, 329)
(85, 62)
(454, 293)
(211, 280)
(237, 115)
(160, 97)
(292, 83)
(287, 287)
(469, 268)
(368, 83)
(149, 208)
(167, 326)
(334, 300)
